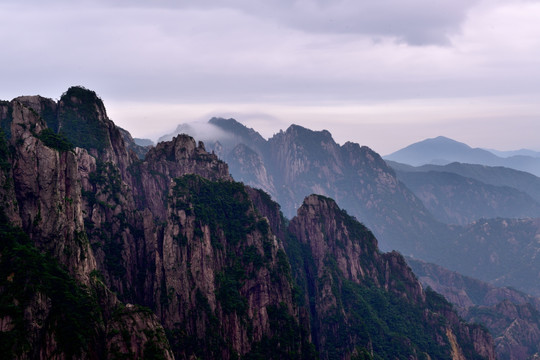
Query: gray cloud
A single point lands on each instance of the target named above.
(277, 57)
(201, 131)
(416, 22)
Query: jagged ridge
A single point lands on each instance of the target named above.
(174, 233)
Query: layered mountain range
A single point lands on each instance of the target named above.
(298, 162)
(493, 209)
(112, 250)
(463, 193)
(490, 175)
(442, 150)
(434, 220)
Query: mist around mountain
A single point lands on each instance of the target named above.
(299, 161)
(108, 255)
(442, 151)
(143, 142)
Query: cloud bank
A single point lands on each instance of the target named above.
(355, 63)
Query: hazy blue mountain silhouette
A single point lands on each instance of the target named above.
(442, 150)
(456, 199)
(492, 175)
(520, 152)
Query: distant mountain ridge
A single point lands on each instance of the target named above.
(298, 162)
(492, 175)
(455, 199)
(442, 151)
(523, 152)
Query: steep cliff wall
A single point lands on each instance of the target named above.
(168, 256)
(54, 304)
(193, 249)
(354, 291)
(48, 192)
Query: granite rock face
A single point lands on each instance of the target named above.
(54, 304)
(168, 257)
(355, 291)
(48, 191)
(115, 222)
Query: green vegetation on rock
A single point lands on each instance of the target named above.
(55, 141)
(288, 334)
(5, 165)
(29, 278)
(5, 122)
(79, 119)
(219, 204)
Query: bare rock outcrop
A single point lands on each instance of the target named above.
(48, 191)
(354, 287)
(109, 255)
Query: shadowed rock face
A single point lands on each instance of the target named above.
(511, 316)
(218, 283)
(346, 281)
(59, 306)
(201, 257)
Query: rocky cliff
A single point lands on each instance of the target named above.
(54, 303)
(510, 315)
(516, 328)
(355, 291)
(191, 249)
(109, 255)
(297, 162)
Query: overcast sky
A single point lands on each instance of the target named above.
(383, 73)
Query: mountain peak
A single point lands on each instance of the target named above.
(346, 269)
(247, 135)
(442, 138)
(219, 120)
(442, 141)
(445, 141)
(302, 131)
(315, 203)
(235, 127)
(441, 150)
(81, 95)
